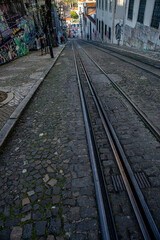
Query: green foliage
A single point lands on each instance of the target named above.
(73, 14)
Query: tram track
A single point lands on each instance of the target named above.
(155, 131)
(146, 223)
(145, 65)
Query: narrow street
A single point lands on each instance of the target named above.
(47, 183)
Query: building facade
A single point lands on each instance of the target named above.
(129, 22)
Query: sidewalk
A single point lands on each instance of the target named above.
(17, 78)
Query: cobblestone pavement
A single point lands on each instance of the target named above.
(18, 77)
(46, 185)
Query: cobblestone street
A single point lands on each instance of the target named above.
(46, 181)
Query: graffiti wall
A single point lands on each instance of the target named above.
(15, 40)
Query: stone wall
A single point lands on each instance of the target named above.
(142, 37)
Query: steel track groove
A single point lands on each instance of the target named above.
(106, 218)
(141, 210)
(146, 121)
(121, 58)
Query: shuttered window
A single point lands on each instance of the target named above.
(106, 6)
(130, 9)
(141, 11)
(156, 15)
(102, 4)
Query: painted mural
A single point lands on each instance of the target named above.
(15, 39)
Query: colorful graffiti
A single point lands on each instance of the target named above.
(21, 35)
(12, 50)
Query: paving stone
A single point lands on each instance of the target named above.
(46, 202)
(48, 213)
(16, 211)
(59, 238)
(37, 215)
(85, 201)
(40, 228)
(87, 225)
(69, 227)
(55, 226)
(27, 231)
(26, 218)
(50, 170)
(16, 233)
(1, 223)
(33, 198)
(55, 199)
(55, 211)
(36, 207)
(7, 211)
(50, 237)
(12, 222)
(39, 189)
(56, 190)
(52, 182)
(25, 201)
(48, 192)
(26, 208)
(70, 202)
(46, 178)
(88, 212)
(5, 234)
(30, 193)
(78, 236)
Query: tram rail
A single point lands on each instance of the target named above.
(128, 59)
(144, 218)
(155, 131)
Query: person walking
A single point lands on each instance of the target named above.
(41, 39)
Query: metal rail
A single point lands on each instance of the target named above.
(147, 122)
(141, 210)
(122, 59)
(105, 213)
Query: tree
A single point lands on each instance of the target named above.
(73, 14)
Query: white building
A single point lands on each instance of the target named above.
(89, 26)
(130, 22)
(84, 8)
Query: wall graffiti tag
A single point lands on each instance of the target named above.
(20, 37)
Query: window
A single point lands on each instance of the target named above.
(110, 5)
(99, 3)
(106, 6)
(141, 11)
(109, 33)
(156, 15)
(103, 4)
(105, 29)
(130, 9)
(99, 26)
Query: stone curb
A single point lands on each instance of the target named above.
(18, 111)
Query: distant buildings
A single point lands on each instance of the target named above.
(87, 19)
(133, 23)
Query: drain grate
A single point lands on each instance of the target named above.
(3, 96)
(119, 184)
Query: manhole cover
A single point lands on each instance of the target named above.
(3, 96)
